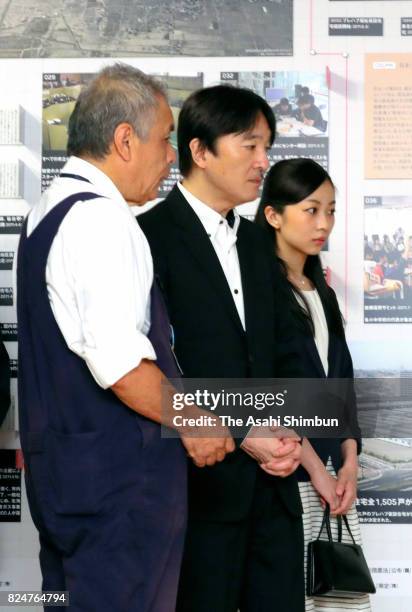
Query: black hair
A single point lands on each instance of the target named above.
(289, 182)
(306, 99)
(208, 114)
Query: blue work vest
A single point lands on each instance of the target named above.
(91, 449)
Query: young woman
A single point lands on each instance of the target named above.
(297, 209)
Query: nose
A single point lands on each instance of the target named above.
(262, 161)
(325, 222)
(171, 155)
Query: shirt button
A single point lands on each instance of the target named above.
(220, 222)
(236, 291)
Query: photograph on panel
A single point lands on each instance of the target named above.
(387, 273)
(60, 92)
(124, 28)
(383, 383)
(300, 102)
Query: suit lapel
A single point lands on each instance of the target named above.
(333, 353)
(248, 272)
(193, 234)
(311, 348)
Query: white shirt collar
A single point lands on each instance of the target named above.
(100, 181)
(61, 187)
(210, 218)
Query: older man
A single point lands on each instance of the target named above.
(106, 493)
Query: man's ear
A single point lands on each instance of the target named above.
(199, 152)
(122, 140)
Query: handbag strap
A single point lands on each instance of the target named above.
(326, 522)
(345, 520)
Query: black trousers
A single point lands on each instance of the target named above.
(254, 565)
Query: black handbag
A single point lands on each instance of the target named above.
(337, 569)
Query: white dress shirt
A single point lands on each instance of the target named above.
(99, 274)
(320, 325)
(223, 239)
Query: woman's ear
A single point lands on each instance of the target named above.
(272, 217)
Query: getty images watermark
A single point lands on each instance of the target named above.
(230, 401)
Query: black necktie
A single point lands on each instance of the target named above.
(230, 218)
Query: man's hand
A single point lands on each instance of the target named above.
(286, 461)
(208, 451)
(278, 456)
(144, 390)
(206, 444)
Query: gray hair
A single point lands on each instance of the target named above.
(118, 94)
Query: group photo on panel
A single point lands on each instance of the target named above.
(134, 512)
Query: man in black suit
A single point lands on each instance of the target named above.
(244, 541)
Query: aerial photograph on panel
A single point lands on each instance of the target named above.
(129, 28)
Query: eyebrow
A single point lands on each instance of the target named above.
(252, 136)
(318, 201)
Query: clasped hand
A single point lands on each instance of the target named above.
(210, 446)
(339, 492)
(276, 449)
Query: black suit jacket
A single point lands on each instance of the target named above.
(209, 338)
(298, 357)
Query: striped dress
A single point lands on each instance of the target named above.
(312, 508)
(312, 520)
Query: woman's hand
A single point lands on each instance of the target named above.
(346, 486)
(325, 484)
